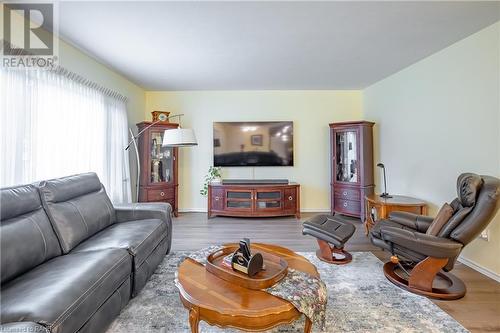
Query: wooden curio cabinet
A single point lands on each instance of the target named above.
(352, 166)
(158, 179)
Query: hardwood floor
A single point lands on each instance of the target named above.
(478, 311)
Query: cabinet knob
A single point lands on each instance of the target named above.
(290, 198)
(345, 193)
(216, 198)
(162, 194)
(345, 204)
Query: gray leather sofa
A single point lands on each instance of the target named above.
(70, 260)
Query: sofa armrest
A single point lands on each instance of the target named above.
(142, 211)
(22, 326)
(417, 222)
(427, 245)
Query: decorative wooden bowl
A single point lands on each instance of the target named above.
(276, 269)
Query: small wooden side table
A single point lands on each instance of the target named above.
(386, 205)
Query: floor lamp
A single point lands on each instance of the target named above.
(177, 137)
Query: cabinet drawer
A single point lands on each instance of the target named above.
(348, 206)
(347, 193)
(160, 195)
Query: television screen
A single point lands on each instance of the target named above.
(267, 143)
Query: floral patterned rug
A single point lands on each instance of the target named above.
(360, 299)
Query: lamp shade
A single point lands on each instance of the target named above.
(179, 137)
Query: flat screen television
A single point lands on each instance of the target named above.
(263, 143)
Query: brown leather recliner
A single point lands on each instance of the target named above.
(417, 258)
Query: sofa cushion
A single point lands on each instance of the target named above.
(377, 228)
(139, 238)
(26, 235)
(377, 239)
(77, 206)
(63, 293)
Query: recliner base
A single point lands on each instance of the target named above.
(327, 254)
(455, 290)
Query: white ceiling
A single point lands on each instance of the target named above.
(266, 45)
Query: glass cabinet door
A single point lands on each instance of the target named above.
(268, 200)
(346, 159)
(239, 200)
(162, 159)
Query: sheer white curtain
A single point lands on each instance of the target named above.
(52, 125)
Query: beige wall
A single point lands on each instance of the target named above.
(78, 62)
(311, 111)
(438, 118)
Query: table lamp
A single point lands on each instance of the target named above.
(385, 194)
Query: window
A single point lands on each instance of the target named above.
(54, 124)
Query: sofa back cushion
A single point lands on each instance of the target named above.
(26, 235)
(77, 206)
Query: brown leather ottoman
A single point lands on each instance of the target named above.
(330, 229)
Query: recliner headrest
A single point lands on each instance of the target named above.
(468, 186)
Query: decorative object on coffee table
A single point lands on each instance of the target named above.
(224, 304)
(275, 269)
(378, 208)
(351, 149)
(418, 257)
(244, 261)
(330, 229)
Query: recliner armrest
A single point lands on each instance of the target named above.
(142, 211)
(427, 245)
(22, 326)
(418, 222)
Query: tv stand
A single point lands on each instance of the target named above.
(254, 199)
(253, 181)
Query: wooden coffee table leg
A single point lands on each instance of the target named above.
(194, 319)
(308, 326)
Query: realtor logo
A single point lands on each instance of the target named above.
(28, 34)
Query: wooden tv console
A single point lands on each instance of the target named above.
(254, 200)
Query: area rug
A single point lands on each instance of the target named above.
(360, 299)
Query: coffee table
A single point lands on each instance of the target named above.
(224, 304)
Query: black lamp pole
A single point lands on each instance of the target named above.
(385, 194)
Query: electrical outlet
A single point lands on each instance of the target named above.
(485, 235)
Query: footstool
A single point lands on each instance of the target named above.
(330, 229)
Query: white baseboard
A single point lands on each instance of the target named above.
(204, 210)
(193, 210)
(315, 210)
(479, 268)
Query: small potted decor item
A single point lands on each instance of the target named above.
(212, 177)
